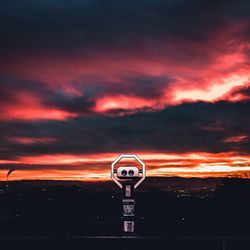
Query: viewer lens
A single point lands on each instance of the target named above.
(131, 172)
(124, 172)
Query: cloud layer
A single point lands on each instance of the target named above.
(80, 78)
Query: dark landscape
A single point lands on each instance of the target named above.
(165, 207)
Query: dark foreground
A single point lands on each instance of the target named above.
(131, 243)
(170, 214)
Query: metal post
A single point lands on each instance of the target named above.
(224, 246)
(128, 205)
(128, 178)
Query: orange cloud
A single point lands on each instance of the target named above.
(122, 102)
(238, 138)
(97, 166)
(30, 107)
(214, 92)
(34, 113)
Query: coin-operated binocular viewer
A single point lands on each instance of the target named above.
(128, 172)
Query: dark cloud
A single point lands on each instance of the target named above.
(75, 104)
(55, 25)
(142, 86)
(11, 87)
(190, 127)
(243, 92)
(14, 91)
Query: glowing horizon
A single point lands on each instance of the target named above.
(97, 167)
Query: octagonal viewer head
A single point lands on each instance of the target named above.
(134, 171)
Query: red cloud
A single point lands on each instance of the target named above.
(206, 71)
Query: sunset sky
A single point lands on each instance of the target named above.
(82, 81)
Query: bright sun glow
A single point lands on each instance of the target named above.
(214, 92)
